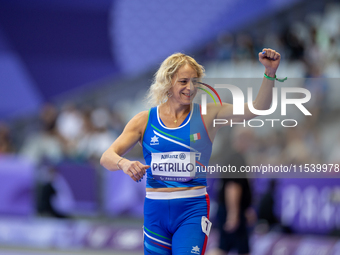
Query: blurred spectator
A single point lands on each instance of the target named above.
(334, 156)
(294, 46)
(117, 123)
(226, 46)
(5, 140)
(70, 125)
(208, 53)
(313, 54)
(234, 211)
(317, 84)
(333, 53)
(245, 48)
(273, 41)
(266, 216)
(296, 151)
(47, 193)
(46, 143)
(272, 149)
(97, 138)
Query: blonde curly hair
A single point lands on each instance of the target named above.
(158, 90)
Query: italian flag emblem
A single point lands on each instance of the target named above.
(195, 137)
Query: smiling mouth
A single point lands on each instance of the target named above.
(188, 94)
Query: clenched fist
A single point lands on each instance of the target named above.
(271, 60)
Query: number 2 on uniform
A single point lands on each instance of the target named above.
(206, 225)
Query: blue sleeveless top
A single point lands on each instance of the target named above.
(177, 156)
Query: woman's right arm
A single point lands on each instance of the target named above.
(132, 133)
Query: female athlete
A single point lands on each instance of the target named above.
(176, 138)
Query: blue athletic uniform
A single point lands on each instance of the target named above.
(176, 222)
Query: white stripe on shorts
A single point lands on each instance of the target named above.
(176, 194)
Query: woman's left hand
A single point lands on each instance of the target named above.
(271, 60)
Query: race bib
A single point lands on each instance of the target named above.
(174, 166)
(206, 225)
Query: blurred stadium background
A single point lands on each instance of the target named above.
(72, 73)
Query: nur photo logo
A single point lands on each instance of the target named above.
(302, 96)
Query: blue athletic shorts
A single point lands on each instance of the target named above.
(176, 226)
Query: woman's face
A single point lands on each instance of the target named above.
(183, 89)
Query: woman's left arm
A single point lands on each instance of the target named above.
(270, 59)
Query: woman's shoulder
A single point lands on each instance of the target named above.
(140, 118)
